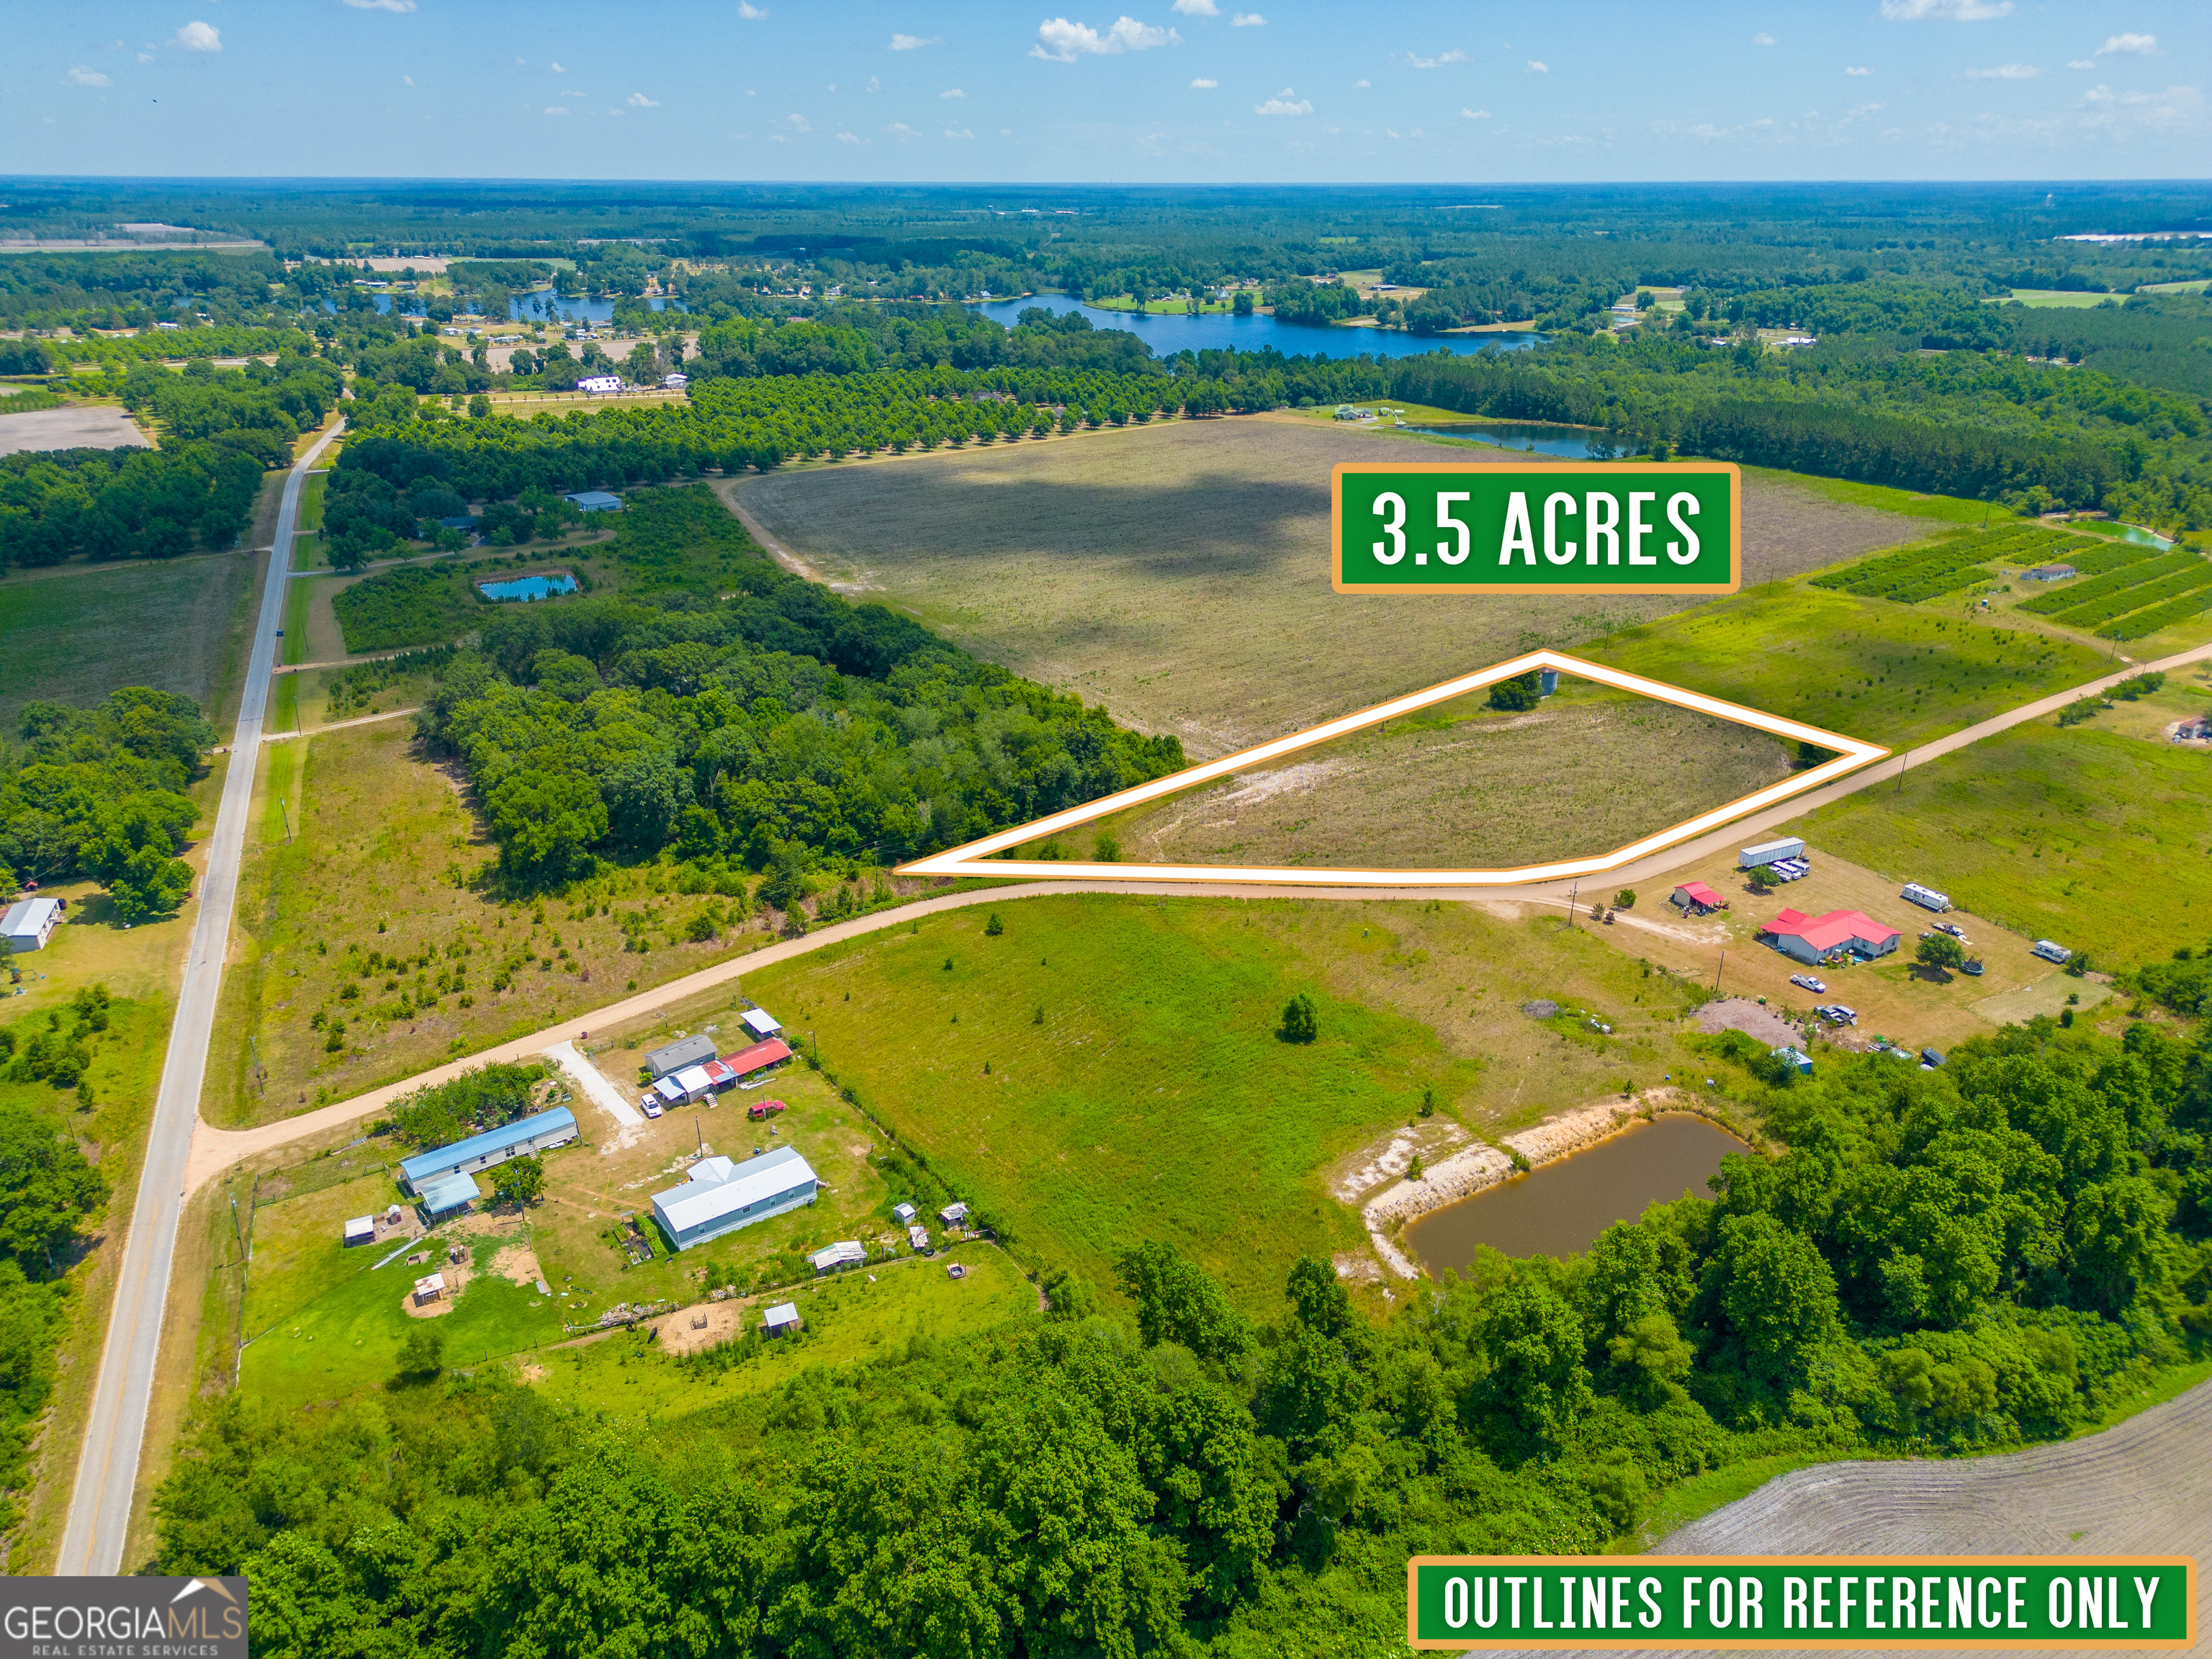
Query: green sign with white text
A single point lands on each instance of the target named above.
(1476, 527)
(1948, 1602)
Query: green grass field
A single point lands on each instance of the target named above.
(1889, 673)
(1951, 509)
(299, 597)
(2056, 299)
(172, 626)
(2092, 837)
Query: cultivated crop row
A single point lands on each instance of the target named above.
(1918, 573)
(2099, 588)
(2143, 623)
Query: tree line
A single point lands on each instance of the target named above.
(1964, 1260)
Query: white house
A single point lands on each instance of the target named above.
(30, 923)
(600, 384)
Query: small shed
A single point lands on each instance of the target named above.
(918, 1236)
(1696, 899)
(30, 923)
(676, 1056)
(431, 1287)
(905, 1213)
(782, 1319)
(1770, 851)
(1797, 1059)
(761, 1023)
(449, 1195)
(361, 1230)
(845, 1253)
(692, 1083)
(953, 1214)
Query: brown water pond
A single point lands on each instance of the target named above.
(1561, 1208)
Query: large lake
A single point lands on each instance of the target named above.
(1560, 1207)
(1173, 333)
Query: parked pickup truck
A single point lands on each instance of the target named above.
(761, 1109)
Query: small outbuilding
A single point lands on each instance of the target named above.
(675, 382)
(953, 1214)
(760, 1057)
(905, 1213)
(918, 1236)
(676, 1056)
(2049, 573)
(30, 923)
(595, 500)
(761, 1023)
(782, 1319)
(845, 1253)
(1797, 1059)
(448, 1195)
(1695, 898)
(431, 1287)
(361, 1230)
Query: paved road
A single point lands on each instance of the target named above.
(107, 1471)
(214, 1150)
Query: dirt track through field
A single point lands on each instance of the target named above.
(1179, 572)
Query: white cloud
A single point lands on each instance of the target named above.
(2083, 62)
(2005, 72)
(1854, 69)
(1281, 104)
(381, 5)
(1455, 56)
(952, 91)
(848, 137)
(962, 133)
(1762, 38)
(557, 69)
(557, 109)
(1248, 20)
(409, 79)
(1538, 68)
(1363, 82)
(81, 77)
(1474, 115)
(1059, 41)
(1203, 85)
(639, 101)
(750, 12)
(915, 42)
(1196, 7)
(2143, 46)
(1951, 11)
(900, 130)
(797, 124)
(199, 37)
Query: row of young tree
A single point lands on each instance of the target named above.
(780, 724)
(1968, 1259)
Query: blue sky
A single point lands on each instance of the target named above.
(1170, 91)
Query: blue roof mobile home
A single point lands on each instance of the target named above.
(521, 1139)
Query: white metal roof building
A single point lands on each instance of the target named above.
(31, 922)
(784, 1317)
(953, 1214)
(595, 500)
(535, 1133)
(722, 1196)
(448, 1194)
(761, 1023)
(845, 1253)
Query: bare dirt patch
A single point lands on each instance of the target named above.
(695, 1329)
(1740, 1014)
(98, 426)
(456, 1275)
(1179, 572)
(519, 1263)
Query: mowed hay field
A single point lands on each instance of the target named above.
(75, 633)
(1107, 1070)
(1179, 572)
(1464, 785)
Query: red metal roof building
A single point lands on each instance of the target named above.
(1812, 939)
(747, 1061)
(1696, 895)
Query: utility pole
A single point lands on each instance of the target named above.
(282, 808)
(1574, 892)
(701, 1133)
(1716, 973)
(1903, 761)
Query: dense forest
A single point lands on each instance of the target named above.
(782, 727)
(1968, 1258)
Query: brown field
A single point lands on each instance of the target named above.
(1178, 573)
(1464, 785)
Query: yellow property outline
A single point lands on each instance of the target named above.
(975, 859)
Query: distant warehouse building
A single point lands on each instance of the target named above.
(722, 1196)
(2049, 573)
(595, 500)
(1814, 939)
(523, 1138)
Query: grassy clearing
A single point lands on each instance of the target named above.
(2096, 838)
(1174, 573)
(1589, 770)
(312, 491)
(88, 630)
(1889, 673)
(1152, 1098)
(299, 597)
(384, 849)
(2054, 299)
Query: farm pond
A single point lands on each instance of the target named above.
(1560, 1208)
(528, 587)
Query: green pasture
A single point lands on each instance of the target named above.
(312, 494)
(2054, 299)
(1952, 509)
(1889, 673)
(2094, 838)
(1107, 1071)
(167, 624)
(299, 596)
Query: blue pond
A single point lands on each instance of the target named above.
(528, 587)
(1172, 333)
(1573, 443)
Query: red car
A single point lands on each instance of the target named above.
(761, 1109)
